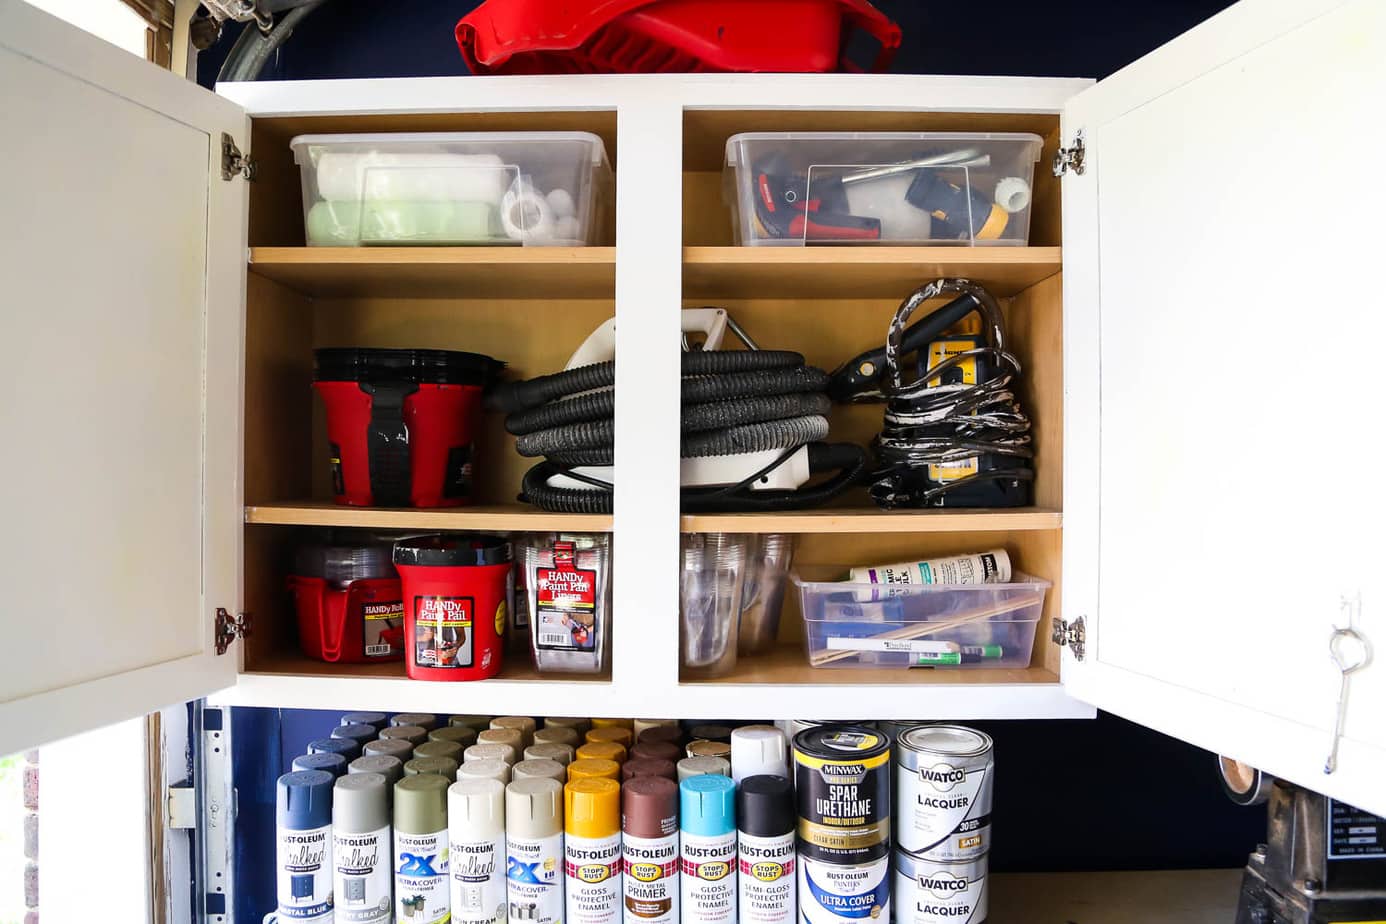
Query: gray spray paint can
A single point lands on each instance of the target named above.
(362, 878)
(421, 849)
(303, 845)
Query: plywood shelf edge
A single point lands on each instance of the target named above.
(462, 518)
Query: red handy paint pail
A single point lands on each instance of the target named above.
(401, 423)
(458, 592)
(349, 603)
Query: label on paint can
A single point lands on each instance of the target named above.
(592, 867)
(477, 871)
(305, 874)
(944, 798)
(534, 878)
(766, 873)
(651, 881)
(421, 877)
(832, 893)
(362, 876)
(709, 878)
(940, 893)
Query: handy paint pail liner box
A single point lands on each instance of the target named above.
(401, 423)
(458, 590)
(349, 604)
(902, 188)
(921, 625)
(493, 188)
(567, 591)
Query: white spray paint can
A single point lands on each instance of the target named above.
(707, 849)
(476, 851)
(534, 850)
(421, 849)
(361, 876)
(303, 845)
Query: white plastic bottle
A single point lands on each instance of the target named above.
(476, 851)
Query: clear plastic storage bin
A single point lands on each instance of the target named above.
(534, 188)
(920, 625)
(796, 188)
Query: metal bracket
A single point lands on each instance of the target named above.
(1074, 635)
(182, 807)
(1071, 158)
(233, 162)
(216, 817)
(228, 628)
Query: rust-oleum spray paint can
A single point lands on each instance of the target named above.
(476, 851)
(650, 842)
(303, 845)
(362, 878)
(421, 849)
(765, 823)
(707, 849)
(534, 850)
(592, 850)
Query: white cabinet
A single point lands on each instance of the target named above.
(1203, 496)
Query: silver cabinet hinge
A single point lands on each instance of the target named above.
(182, 807)
(1071, 158)
(228, 628)
(233, 162)
(1071, 634)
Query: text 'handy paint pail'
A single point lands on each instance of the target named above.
(534, 850)
(421, 849)
(842, 778)
(303, 845)
(361, 848)
(349, 605)
(476, 851)
(650, 844)
(592, 851)
(944, 781)
(844, 893)
(928, 892)
(765, 822)
(456, 597)
(401, 423)
(707, 850)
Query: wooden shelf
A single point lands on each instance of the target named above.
(785, 667)
(1195, 896)
(510, 517)
(857, 272)
(441, 272)
(872, 520)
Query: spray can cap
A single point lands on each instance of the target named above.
(690, 767)
(303, 800)
(513, 738)
(523, 723)
(384, 764)
(334, 764)
(758, 749)
(460, 735)
(475, 722)
(659, 750)
(670, 734)
(445, 767)
(476, 808)
(374, 719)
(710, 732)
(489, 769)
(539, 767)
(550, 750)
(346, 747)
(421, 804)
(648, 766)
(708, 805)
(576, 724)
(557, 734)
(533, 808)
(425, 720)
(414, 734)
(704, 748)
(360, 804)
(765, 806)
(398, 748)
(611, 723)
(650, 807)
(640, 726)
(592, 807)
(358, 733)
(602, 750)
(589, 767)
(503, 752)
(612, 733)
(449, 749)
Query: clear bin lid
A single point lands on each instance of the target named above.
(735, 141)
(301, 144)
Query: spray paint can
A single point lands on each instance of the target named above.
(944, 780)
(592, 851)
(334, 764)
(707, 849)
(375, 720)
(347, 747)
(930, 892)
(758, 750)
(611, 723)
(513, 737)
(445, 767)
(398, 748)
(476, 851)
(475, 722)
(993, 567)
(551, 769)
(534, 850)
(618, 734)
(648, 766)
(842, 777)
(550, 750)
(594, 767)
(421, 849)
(489, 751)
(414, 734)
(425, 720)
(765, 823)
(357, 732)
(383, 764)
(362, 878)
(670, 734)
(578, 725)
(603, 750)
(710, 731)
(658, 750)
(523, 723)
(303, 845)
(650, 844)
(557, 734)
(497, 770)
(690, 767)
(640, 726)
(431, 748)
(460, 735)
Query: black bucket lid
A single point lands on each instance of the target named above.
(452, 551)
(765, 806)
(345, 562)
(425, 367)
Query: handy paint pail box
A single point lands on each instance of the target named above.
(457, 592)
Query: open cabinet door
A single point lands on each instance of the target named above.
(122, 268)
(1223, 497)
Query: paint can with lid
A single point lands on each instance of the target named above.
(842, 781)
(456, 593)
(843, 893)
(944, 780)
(930, 892)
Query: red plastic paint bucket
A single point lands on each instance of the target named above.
(457, 597)
(349, 603)
(401, 423)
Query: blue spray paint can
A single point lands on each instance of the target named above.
(303, 845)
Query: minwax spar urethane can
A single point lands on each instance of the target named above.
(842, 777)
(943, 783)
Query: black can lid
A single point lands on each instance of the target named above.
(452, 551)
(765, 806)
(425, 367)
(840, 741)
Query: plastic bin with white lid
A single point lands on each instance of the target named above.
(957, 627)
(532, 188)
(902, 188)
